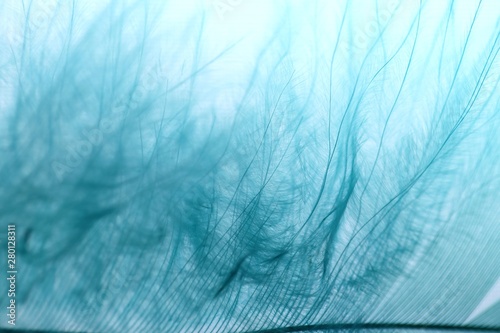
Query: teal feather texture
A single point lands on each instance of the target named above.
(250, 165)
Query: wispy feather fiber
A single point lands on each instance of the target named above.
(234, 166)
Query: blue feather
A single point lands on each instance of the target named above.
(251, 166)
